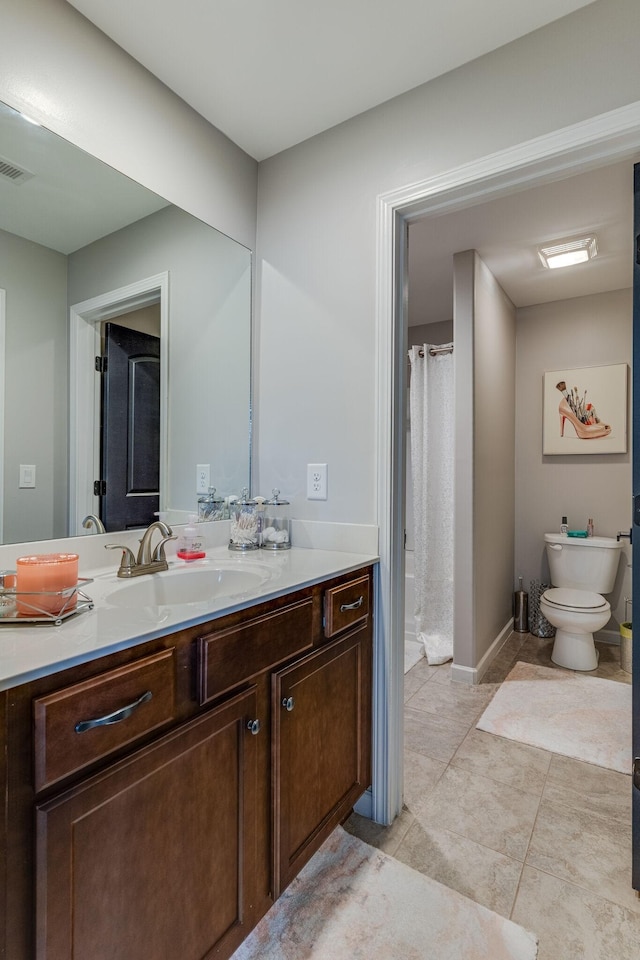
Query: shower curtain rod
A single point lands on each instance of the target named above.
(435, 351)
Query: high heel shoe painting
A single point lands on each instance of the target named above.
(594, 410)
(581, 415)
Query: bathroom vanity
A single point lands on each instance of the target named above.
(160, 797)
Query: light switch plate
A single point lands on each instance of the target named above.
(27, 476)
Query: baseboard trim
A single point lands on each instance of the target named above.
(474, 675)
(364, 806)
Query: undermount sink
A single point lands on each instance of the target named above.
(188, 584)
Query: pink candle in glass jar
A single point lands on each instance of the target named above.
(40, 580)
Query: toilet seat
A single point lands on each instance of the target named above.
(577, 601)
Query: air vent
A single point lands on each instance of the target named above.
(9, 171)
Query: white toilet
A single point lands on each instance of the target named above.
(581, 570)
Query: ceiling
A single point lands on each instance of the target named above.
(68, 198)
(507, 231)
(271, 73)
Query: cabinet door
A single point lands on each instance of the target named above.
(155, 856)
(321, 742)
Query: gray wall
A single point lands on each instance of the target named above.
(583, 332)
(60, 69)
(35, 401)
(209, 338)
(485, 339)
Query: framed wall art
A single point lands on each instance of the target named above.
(584, 410)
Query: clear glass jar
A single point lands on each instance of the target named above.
(245, 527)
(275, 529)
(210, 507)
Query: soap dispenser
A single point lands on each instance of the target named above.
(190, 542)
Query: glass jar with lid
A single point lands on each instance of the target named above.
(275, 529)
(210, 507)
(244, 516)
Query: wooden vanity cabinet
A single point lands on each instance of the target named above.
(321, 747)
(154, 857)
(170, 834)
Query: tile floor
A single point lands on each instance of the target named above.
(537, 837)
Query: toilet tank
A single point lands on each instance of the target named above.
(583, 564)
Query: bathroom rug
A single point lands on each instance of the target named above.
(585, 718)
(352, 902)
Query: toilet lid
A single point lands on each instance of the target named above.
(578, 599)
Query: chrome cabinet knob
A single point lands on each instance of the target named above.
(288, 703)
(253, 726)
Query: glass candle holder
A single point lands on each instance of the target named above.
(45, 584)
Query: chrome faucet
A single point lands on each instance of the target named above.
(92, 521)
(146, 561)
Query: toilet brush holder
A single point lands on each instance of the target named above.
(521, 610)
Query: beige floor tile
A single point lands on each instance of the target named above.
(412, 683)
(455, 701)
(493, 814)
(441, 673)
(591, 789)
(517, 764)
(573, 924)
(387, 839)
(477, 872)
(584, 849)
(431, 735)
(420, 777)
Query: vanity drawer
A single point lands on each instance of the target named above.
(229, 657)
(80, 724)
(345, 606)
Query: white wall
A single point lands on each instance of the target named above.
(60, 69)
(35, 400)
(316, 369)
(583, 332)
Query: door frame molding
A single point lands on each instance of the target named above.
(604, 139)
(3, 405)
(84, 397)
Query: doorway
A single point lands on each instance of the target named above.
(86, 321)
(584, 146)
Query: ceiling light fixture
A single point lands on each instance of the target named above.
(564, 253)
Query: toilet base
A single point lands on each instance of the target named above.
(575, 651)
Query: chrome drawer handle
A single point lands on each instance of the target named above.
(253, 726)
(288, 703)
(352, 606)
(114, 717)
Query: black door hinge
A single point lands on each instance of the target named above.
(99, 488)
(636, 773)
(101, 364)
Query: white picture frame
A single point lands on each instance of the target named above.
(584, 410)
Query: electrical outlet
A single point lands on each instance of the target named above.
(203, 477)
(316, 481)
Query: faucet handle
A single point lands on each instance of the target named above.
(128, 561)
(158, 553)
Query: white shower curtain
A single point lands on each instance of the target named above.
(431, 412)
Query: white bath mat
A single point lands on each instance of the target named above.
(352, 902)
(585, 718)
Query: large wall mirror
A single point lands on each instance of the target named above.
(83, 249)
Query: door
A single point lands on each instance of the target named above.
(636, 531)
(130, 436)
(321, 747)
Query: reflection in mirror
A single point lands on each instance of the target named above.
(80, 245)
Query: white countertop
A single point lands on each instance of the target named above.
(31, 651)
